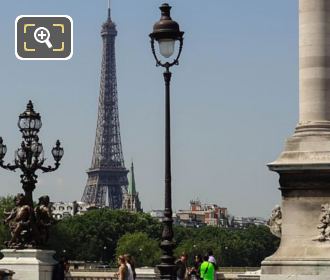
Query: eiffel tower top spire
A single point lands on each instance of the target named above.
(109, 27)
(108, 149)
(109, 11)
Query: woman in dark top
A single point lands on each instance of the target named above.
(195, 271)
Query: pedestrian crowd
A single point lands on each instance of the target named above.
(204, 268)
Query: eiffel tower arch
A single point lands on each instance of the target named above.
(107, 176)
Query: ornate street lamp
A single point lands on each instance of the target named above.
(29, 158)
(29, 123)
(166, 32)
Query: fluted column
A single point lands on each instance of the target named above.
(310, 144)
(314, 63)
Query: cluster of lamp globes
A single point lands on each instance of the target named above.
(31, 151)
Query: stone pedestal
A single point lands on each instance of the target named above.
(29, 264)
(301, 255)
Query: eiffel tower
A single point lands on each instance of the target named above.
(107, 176)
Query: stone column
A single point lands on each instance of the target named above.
(304, 165)
(314, 62)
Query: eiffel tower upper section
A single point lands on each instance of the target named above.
(107, 173)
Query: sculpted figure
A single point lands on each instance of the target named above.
(43, 218)
(18, 220)
(324, 226)
(275, 221)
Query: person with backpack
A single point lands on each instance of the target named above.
(214, 262)
(207, 269)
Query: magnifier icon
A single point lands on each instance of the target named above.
(42, 35)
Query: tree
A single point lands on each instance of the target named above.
(6, 204)
(231, 247)
(84, 237)
(145, 251)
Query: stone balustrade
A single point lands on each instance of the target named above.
(149, 274)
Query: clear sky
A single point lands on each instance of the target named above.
(234, 98)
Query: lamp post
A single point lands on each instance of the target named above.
(104, 251)
(29, 158)
(166, 32)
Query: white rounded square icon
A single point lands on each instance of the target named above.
(44, 37)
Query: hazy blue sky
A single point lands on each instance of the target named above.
(234, 98)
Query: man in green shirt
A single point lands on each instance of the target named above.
(207, 269)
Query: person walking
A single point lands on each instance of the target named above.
(195, 271)
(181, 267)
(60, 270)
(130, 267)
(207, 269)
(213, 261)
(122, 270)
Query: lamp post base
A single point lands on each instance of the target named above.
(167, 271)
(29, 264)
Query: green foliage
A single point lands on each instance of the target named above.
(146, 251)
(84, 237)
(6, 204)
(102, 234)
(231, 247)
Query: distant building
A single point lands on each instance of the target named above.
(157, 214)
(61, 210)
(131, 201)
(203, 214)
(244, 222)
